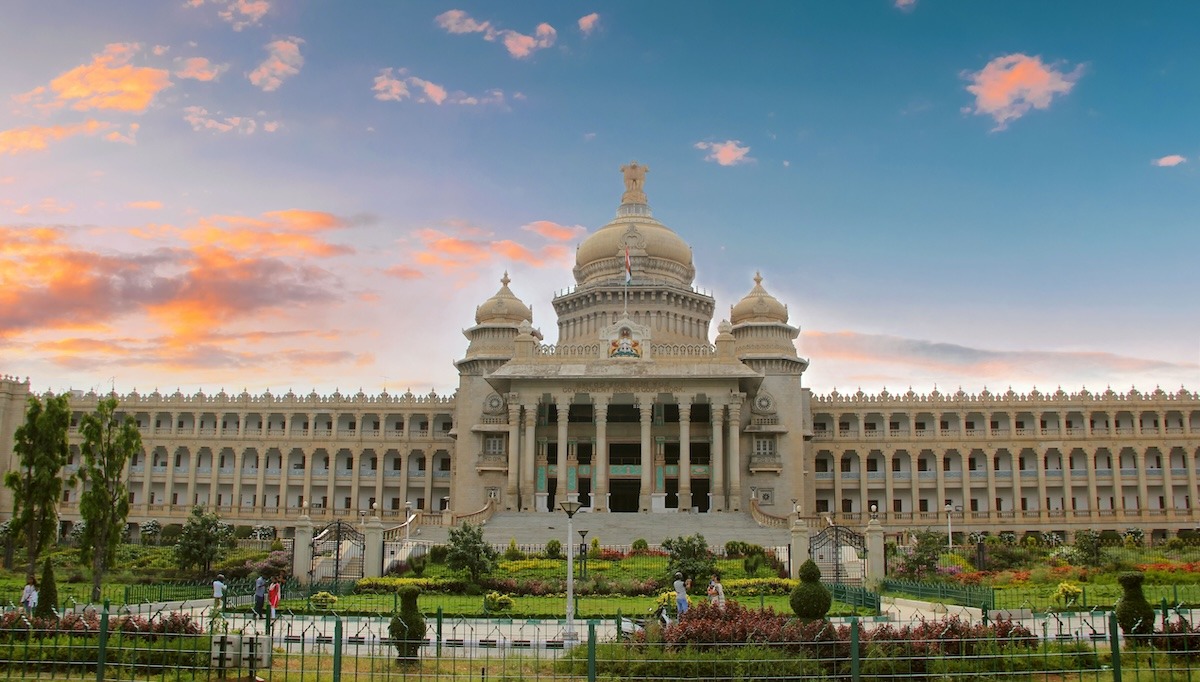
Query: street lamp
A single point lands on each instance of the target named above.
(570, 507)
(874, 512)
(583, 552)
(949, 526)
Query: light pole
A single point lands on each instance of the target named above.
(570, 507)
(949, 526)
(583, 552)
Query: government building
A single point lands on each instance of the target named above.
(645, 405)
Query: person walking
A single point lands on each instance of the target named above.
(681, 588)
(716, 593)
(219, 592)
(29, 596)
(274, 593)
(260, 597)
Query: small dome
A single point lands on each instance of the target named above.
(758, 306)
(503, 307)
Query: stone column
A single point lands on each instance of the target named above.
(529, 458)
(373, 550)
(302, 550)
(1139, 458)
(685, 454)
(1093, 499)
(735, 452)
(560, 478)
(239, 460)
(798, 552)
(1042, 483)
(309, 456)
(514, 450)
(717, 484)
(875, 553)
(600, 456)
(646, 412)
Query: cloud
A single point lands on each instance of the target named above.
(519, 45)
(589, 23)
(49, 205)
(199, 68)
(1009, 86)
(125, 138)
(727, 153)
(108, 82)
(200, 120)
(906, 5)
(160, 50)
(283, 61)
(145, 205)
(243, 13)
(395, 85)
(1168, 161)
(36, 138)
(292, 232)
(404, 272)
(554, 231)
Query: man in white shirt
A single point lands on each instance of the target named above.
(219, 591)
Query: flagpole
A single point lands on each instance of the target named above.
(628, 276)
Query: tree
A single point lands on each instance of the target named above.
(151, 530)
(690, 556)
(469, 552)
(37, 484)
(1087, 544)
(921, 562)
(47, 594)
(202, 539)
(108, 444)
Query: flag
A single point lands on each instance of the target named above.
(628, 268)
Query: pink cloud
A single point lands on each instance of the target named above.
(404, 272)
(395, 85)
(588, 23)
(283, 61)
(125, 138)
(200, 120)
(199, 68)
(47, 206)
(905, 4)
(145, 205)
(1009, 86)
(36, 138)
(519, 45)
(461, 249)
(109, 81)
(1168, 161)
(243, 13)
(554, 231)
(727, 153)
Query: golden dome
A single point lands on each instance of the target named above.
(758, 306)
(503, 307)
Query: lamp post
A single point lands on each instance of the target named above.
(583, 552)
(949, 526)
(874, 512)
(570, 507)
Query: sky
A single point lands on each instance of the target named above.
(206, 195)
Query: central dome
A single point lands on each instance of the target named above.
(656, 254)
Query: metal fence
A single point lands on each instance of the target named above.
(946, 593)
(107, 646)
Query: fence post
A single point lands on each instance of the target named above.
(103, 643)
(439, 631)
(337, 649)
(854, 652)
(591, 651)
(1115, 645)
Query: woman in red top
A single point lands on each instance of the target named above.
(274, 592)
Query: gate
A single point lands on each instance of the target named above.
(841, 554)
(337, 553)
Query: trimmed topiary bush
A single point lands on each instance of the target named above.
(809, 599)
(1134, 613)
(47, 594)
(554, 549)
(407, 629)
(640, 545)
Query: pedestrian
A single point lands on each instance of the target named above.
(260, 597)
(29, 596)
(219, 591)
(716, 593)
(274, 592)
(681, 588)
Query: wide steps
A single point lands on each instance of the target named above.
(613, 529)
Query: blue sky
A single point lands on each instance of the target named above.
(252, 193)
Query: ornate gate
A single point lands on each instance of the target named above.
(841, 554)
(337, 553)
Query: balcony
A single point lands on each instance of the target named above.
(822, 435)
(391, 473)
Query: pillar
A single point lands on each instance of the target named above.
(560, 479)
(528, 458)
(717, 484)
(373, 550)
(875, 553)
(646, 413)
(514, 450)
(600, 457)
(735, 452)
(685, 454)
(302, 550)
(798, 552)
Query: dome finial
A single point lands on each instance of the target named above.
(635, 180)
(505, 280)
(757, 278)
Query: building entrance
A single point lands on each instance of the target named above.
(700, 490)
(623, 495)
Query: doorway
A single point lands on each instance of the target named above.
(623, 494)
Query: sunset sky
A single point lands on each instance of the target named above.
(262, 194)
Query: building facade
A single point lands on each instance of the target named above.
(639, 409)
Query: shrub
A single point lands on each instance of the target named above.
(554, 549)
(752, 563)
(47, 594)
(640, 545)
(496, 602)
(242, 532)
(418, 564)
(513, 553)
(170, 533)
(690, 556)
(1067, 594)
(277, 545)
(407, 628)
(438, 554)
(323, 600)
(810, 600)
(1134, 613)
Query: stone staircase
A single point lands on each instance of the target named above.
(623, 529)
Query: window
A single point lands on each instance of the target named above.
(923, 506)
(870, 426)
(945, 425)
(896, 464)
(174, 498)
(396, 464)
(819, 427)
(996, 463)
(920, 426)
(974, 504)
(374, 464)
(970, 425)
(895, 426)
(845, 465)
(346, 503)
(350, 461)
(421, 503)
(178, 460)
(898, 506)
(999, 504)
(843, 426)
(946, 464)
(822, 465)
(847, 506)
(971, 464)
(1042, 424)
(370, 503)
(493, 445)
(1024, 504)
(995, 424)
(923, 464)
(395, 504)
(66, 496)
(1020, 424)
(764, 447)
(1021, 463)
(872, 464)
(420, 464)
(822, 506)
(444, 464)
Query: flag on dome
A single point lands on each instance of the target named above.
(628, 269)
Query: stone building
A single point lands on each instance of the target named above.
(639, 409)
